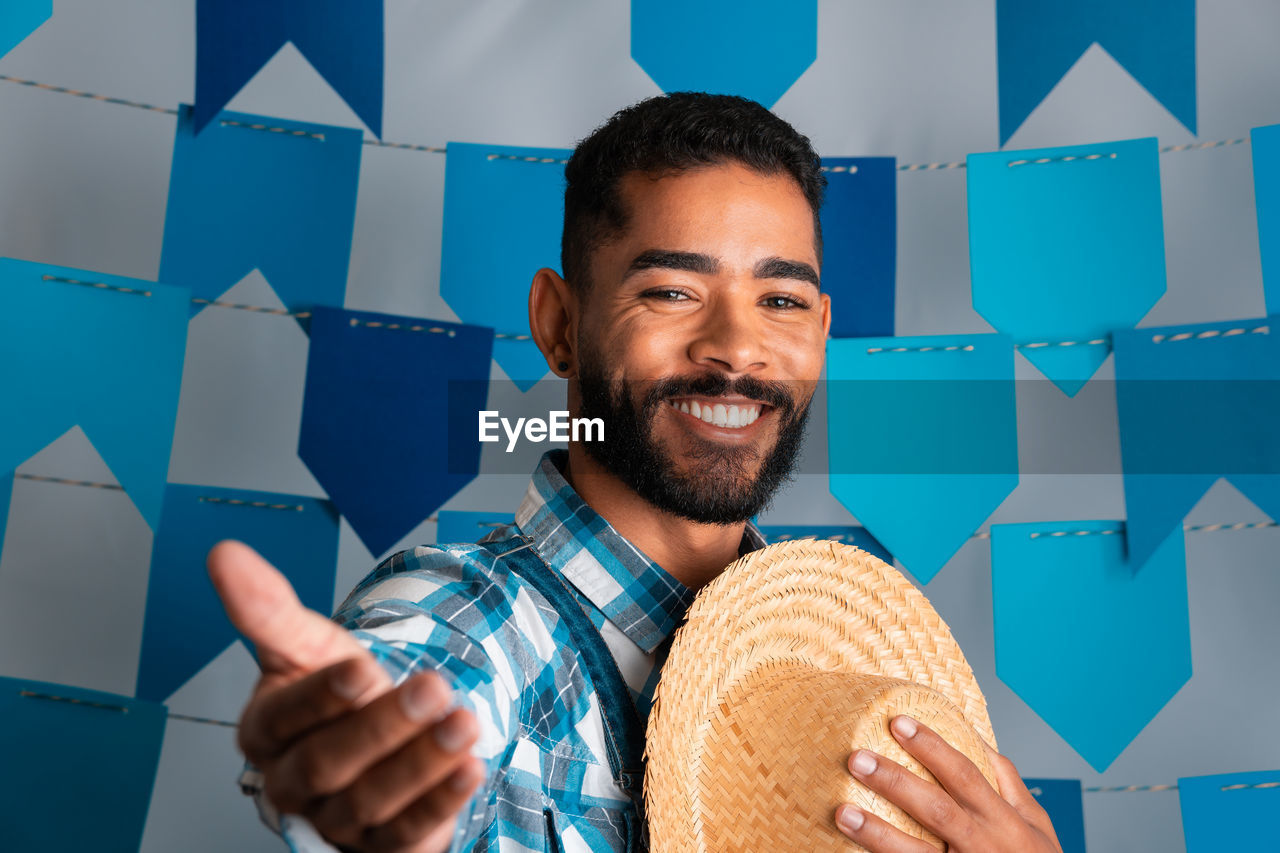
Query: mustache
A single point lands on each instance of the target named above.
(776, 394)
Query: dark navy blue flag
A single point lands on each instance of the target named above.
(1061, 799)
(753, 48)
(185, 626)
(389, 416)
(101, 351)
(1037, 42)
(849, 534)
(253, 192)
(79, 767)
(342, 39)
(455, 526)
(19, 19)
(859, 244)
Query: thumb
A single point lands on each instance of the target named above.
(260, 602)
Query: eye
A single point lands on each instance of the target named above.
(785, 303)
(666, 294)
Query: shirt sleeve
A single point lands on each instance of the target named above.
(436, 608)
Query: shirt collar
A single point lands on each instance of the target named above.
(633, 592)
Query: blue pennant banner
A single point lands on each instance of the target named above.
(503, 213)
(185, 626)
(89, 752)
(389, 416)
(19, 19)
(1065, 245)
(859, 244)
(1074, 622)
(254, 192)
(849, 534)
(101, 351)
(1195, 403)
(753, 48)
(453, 527)
(1061, 799)
(1230, 811)
(1038, 41)
(922, 439)
(1266, 193)
(342, 39)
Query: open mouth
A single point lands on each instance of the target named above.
(721, 412)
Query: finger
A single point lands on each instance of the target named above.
(952, 768)
(389, 787)
(876, 834)
(330, 757)
(925, 801)
(262, 605)
(1015, 791)
(432, 816)
(283, 710)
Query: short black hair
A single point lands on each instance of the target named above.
(672, 133)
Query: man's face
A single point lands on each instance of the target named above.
(702, 339)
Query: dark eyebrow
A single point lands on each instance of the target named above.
(782, 268)
(664, 259)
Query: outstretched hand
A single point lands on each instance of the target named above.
(373, 768)
(962, 808)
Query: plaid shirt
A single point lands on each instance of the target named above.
(456, 609)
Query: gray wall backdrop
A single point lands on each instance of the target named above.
(84, 184)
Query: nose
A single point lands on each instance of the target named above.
(730, 338)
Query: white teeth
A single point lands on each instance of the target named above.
(719, 414)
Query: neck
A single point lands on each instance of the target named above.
(691, 552)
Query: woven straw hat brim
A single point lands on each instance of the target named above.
(795, 653)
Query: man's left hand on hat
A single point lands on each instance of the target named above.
(963, 809)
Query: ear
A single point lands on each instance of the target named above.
(553, 320)
(826, 314)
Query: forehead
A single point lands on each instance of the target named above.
(729, 206)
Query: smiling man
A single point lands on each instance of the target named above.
(492, 696)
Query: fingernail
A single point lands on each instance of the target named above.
(452, 733)
(850, 818)
(463, 778)
(350, 682)
(864, 762)
(419, 700)
(904, 726)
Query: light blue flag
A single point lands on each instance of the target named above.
(1074, 622)
(79, 767)
(185, 626)
(1230, 811)
(849, 534)
(342, 39)
(860, 244)
(503, 214)
(1062, 252)
(454, 527)
(752, 48)
(19, 19)
(242, 199)
(101, 351)
(1038, 41)
(1194, 403)
(922, 439)
(1266, 192)
(1061, 799)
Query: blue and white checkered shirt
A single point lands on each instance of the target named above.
(456, 609)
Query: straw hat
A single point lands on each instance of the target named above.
(794, 657)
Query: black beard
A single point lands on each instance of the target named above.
(724, 489)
